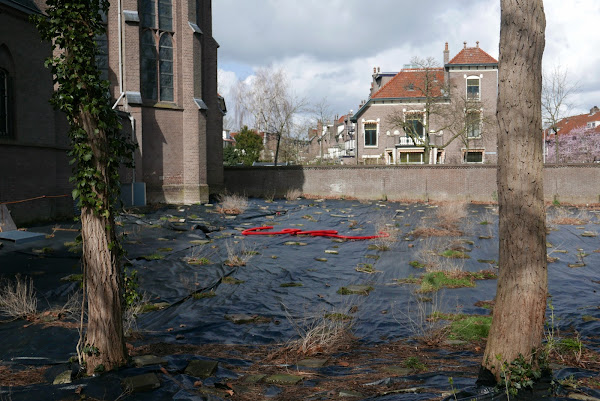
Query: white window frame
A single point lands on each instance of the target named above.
(478, 78)
(467, 113)
(370, 122)
(420, 151)
(476, 150)
(423, 122)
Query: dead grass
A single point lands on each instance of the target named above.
(387, 231)
(29, 376)
(17, 299)
(450, 215)
(131, 313)
(564, 216)
(232, 204)
(320, 333)
(293, 194)
(417, 313)
(429, 254)
(238, 253)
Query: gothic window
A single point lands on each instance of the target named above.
(4, 104)
(157, 68)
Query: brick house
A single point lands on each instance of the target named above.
(578, 139)
(463, 92)
(161, 60)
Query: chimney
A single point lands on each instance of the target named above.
(446, 54)
(374, 70)
(594, 110)
(465, 44)
(477, 44)
(378, 69)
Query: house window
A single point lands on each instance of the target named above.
(410, 158)
(472, 88)
(473, 124)
(414, 124)
(371, 134)
(157, 67)
(473, 156)
(4, 104)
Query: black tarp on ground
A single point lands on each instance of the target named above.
(160, 243)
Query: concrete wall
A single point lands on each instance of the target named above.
(577, 184)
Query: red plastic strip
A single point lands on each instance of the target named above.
(313, 233)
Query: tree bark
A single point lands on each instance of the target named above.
(104, 341)
(518, 322)
(104, 335)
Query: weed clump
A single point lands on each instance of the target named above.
(17, 299)
(436, 280)
(232, 204)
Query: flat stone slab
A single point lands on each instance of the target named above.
(63, 378)
(147, 360)
(398, 370)
(201, 368)
(283, 379)
(140, 383)
(350, 394)
(312, 363)
(355, 290)
(254, 378)
(20, 237)
(240, 318)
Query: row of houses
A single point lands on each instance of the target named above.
(161, 60)
(423, 114)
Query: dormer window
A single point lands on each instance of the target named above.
(410, 87)
(473, 92)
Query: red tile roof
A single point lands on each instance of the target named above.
(566, 125)
(473, 56)
(399, 86)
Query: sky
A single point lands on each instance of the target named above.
(328, 48)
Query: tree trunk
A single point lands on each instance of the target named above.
(556, 146)
(277, 149)
(518, 322)
(103, 278)
(105, 345)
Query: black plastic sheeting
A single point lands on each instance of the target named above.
(386, 314)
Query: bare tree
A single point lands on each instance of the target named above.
(428, 83)
(516, 333)
(268, 99)
(557, 91)
(321, 116)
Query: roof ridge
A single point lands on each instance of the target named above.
(386, 84)
(476, 48)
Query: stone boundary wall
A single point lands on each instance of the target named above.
(577, 184)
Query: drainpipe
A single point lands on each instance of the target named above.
(121, 91)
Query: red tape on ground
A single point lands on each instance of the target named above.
(313, 233)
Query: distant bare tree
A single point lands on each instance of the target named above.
(321, 115)
(557, 92)
(270, 102)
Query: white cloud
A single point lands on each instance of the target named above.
(329, 48)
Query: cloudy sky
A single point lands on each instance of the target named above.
(328, 48)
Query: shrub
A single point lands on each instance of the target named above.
(293, 194)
